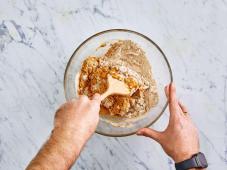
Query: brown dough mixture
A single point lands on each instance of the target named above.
(127, 62)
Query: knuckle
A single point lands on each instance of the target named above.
(73, 101)
(94, 103)
(83, 99)
(60, 109)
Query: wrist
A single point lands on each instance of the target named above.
(184, 156)
(197, 161)
(67, 144)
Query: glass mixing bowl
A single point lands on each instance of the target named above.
(161, 70)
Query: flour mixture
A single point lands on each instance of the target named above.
(126, 62)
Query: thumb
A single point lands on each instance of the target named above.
(96, 97)
(150, 133)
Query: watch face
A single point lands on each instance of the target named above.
(201, 160)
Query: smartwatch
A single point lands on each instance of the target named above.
(196, 161)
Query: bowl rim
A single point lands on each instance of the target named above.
(141, 35)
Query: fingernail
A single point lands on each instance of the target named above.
(138, 133)
(96, 96)
(172, 84)
(73, 100)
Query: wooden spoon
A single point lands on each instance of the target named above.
(115, 87)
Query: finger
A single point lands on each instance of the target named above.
(96, 97)
(74, 100)
(183, 107)
(173, 102)
(96, 100)
(83, 100)
(94, 106)
(83, 97)
(172, 95)
(150, 133)
(167, 91)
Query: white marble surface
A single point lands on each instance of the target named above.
(38, 37)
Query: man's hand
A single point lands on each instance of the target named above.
(75, 122)
(180, 139)
(78, 118)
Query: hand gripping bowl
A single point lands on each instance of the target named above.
(161, 70)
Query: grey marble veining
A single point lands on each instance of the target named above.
(38, 37)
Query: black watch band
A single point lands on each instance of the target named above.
(196, 161)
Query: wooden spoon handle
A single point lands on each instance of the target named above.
(104, 95)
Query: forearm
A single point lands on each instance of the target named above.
(59, 152)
